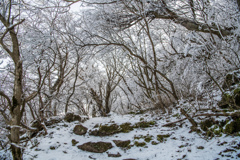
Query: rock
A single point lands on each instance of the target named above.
(52, 147)
(139, 144)
(200, 147)
(74, 142)
(52, 121)
(163, 137)
(207, 124)
(71, 117)
(55, 146)
(231, 98)
(106, 130)
(233, 127)
(122, 144)
(144, 124)
(96, 147)
(80, 130)
(126, 127)
(114, 155)
(154, 143)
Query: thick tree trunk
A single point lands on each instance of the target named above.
(16, 108)
(16, 113)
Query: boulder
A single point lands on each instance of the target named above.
(53, 120)
(71, 117)
(96, 147)
(106, 130)
(122, 144)
(80, 130)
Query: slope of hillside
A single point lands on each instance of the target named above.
(153, 142)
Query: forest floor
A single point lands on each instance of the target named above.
(145, 143)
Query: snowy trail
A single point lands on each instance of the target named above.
(181, 144)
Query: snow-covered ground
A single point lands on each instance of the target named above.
(180, 145)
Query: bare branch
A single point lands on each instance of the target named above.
(31, 96)
(7, 98)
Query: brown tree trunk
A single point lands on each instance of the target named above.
(191, 120)
(16, 113)
(16, 108)
(107, 98)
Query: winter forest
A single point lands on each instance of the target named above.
(155, 68)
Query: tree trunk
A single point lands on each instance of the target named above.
(107, 98)
(191, 120)
(17, 107)
(16, 113)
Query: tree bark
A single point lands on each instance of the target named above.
(191, 120)
(17, 99)
(107, 98)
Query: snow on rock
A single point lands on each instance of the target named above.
(180, 144)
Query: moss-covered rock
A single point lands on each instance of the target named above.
(148, 138)
(106, 130)
(80, 130)
(122, 144)
(218, 133)
(207, 124)
(74, 142)
(154, 143)
(144, 124)
(231, 98)
(96, 147)
(126, 127)
(232, 127)
(139, 144)
(163, 137)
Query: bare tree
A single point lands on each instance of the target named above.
(9, 23)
